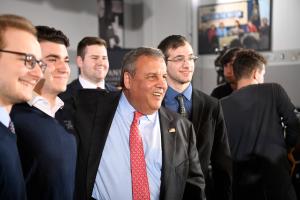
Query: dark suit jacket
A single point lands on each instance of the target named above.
(12, 185)
(182, 177)
(254, 117)
(212, 144)
(74, 86)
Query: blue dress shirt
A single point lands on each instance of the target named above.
(113, 179)
(172, 104)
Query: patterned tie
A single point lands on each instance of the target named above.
(11, 127)
(181, 109)
(140, 185)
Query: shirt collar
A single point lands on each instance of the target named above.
(4, 116)
(42, 104)
(127, 110)
(89, 85)
(171, 93)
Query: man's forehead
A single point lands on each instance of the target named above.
(181, 50)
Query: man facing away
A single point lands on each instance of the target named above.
(204, 112)
(122, 156)
(93, 64)
(47, 148)
(254, 115)
(20, 70)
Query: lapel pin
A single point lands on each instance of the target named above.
(172, 130)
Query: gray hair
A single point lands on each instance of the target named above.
(128, 64)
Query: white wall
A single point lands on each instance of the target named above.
(74, 17)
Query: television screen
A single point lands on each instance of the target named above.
(237, 24)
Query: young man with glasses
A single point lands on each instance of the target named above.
(48, 148)
(205, 113)
(20, 70)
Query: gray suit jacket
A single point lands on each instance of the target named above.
(182, 177)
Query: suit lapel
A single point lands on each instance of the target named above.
(197, 109)
(168, 135)
(105, 110)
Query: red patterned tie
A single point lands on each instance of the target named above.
(140, 185)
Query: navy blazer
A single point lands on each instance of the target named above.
(12, 185)
(182, 177)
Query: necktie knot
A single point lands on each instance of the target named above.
(182, 111)
(137, 116)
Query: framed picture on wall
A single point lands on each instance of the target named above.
(111, 22)
(238, 24)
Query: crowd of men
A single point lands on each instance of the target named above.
(156, 138)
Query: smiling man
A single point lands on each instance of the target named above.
(92, 61)
(47, 148)
(131, 147)
(204, 112)
(20, 70)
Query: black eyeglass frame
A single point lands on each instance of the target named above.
(182, 59)
(29, 58)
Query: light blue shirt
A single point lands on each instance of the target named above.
(4, 116)
(113, 179)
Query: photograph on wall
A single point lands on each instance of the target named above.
(111, 22)
(237, 24)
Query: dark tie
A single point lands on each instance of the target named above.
(181, 109)
(140, 185)
(11, 127)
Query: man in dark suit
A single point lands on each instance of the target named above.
(92, 61)
(105, 160)
(204, 112)
(255, 116)
(20, 70)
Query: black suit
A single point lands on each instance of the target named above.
(74, 86)
(212, 144)
(254, 117)
(182, 177)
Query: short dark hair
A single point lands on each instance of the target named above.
(88, 41)
(14, 21)
(229, 55)
(46, 33)
(171, 42)
(246, 61)
(129, 60)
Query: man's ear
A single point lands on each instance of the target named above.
(79, 61)
(127, 80)
(256, 74)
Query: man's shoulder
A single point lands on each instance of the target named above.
(21, 108)
(71, 90)
(222, 90)
(204, 98)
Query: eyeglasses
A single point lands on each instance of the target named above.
(30, 61)
(181, 59)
